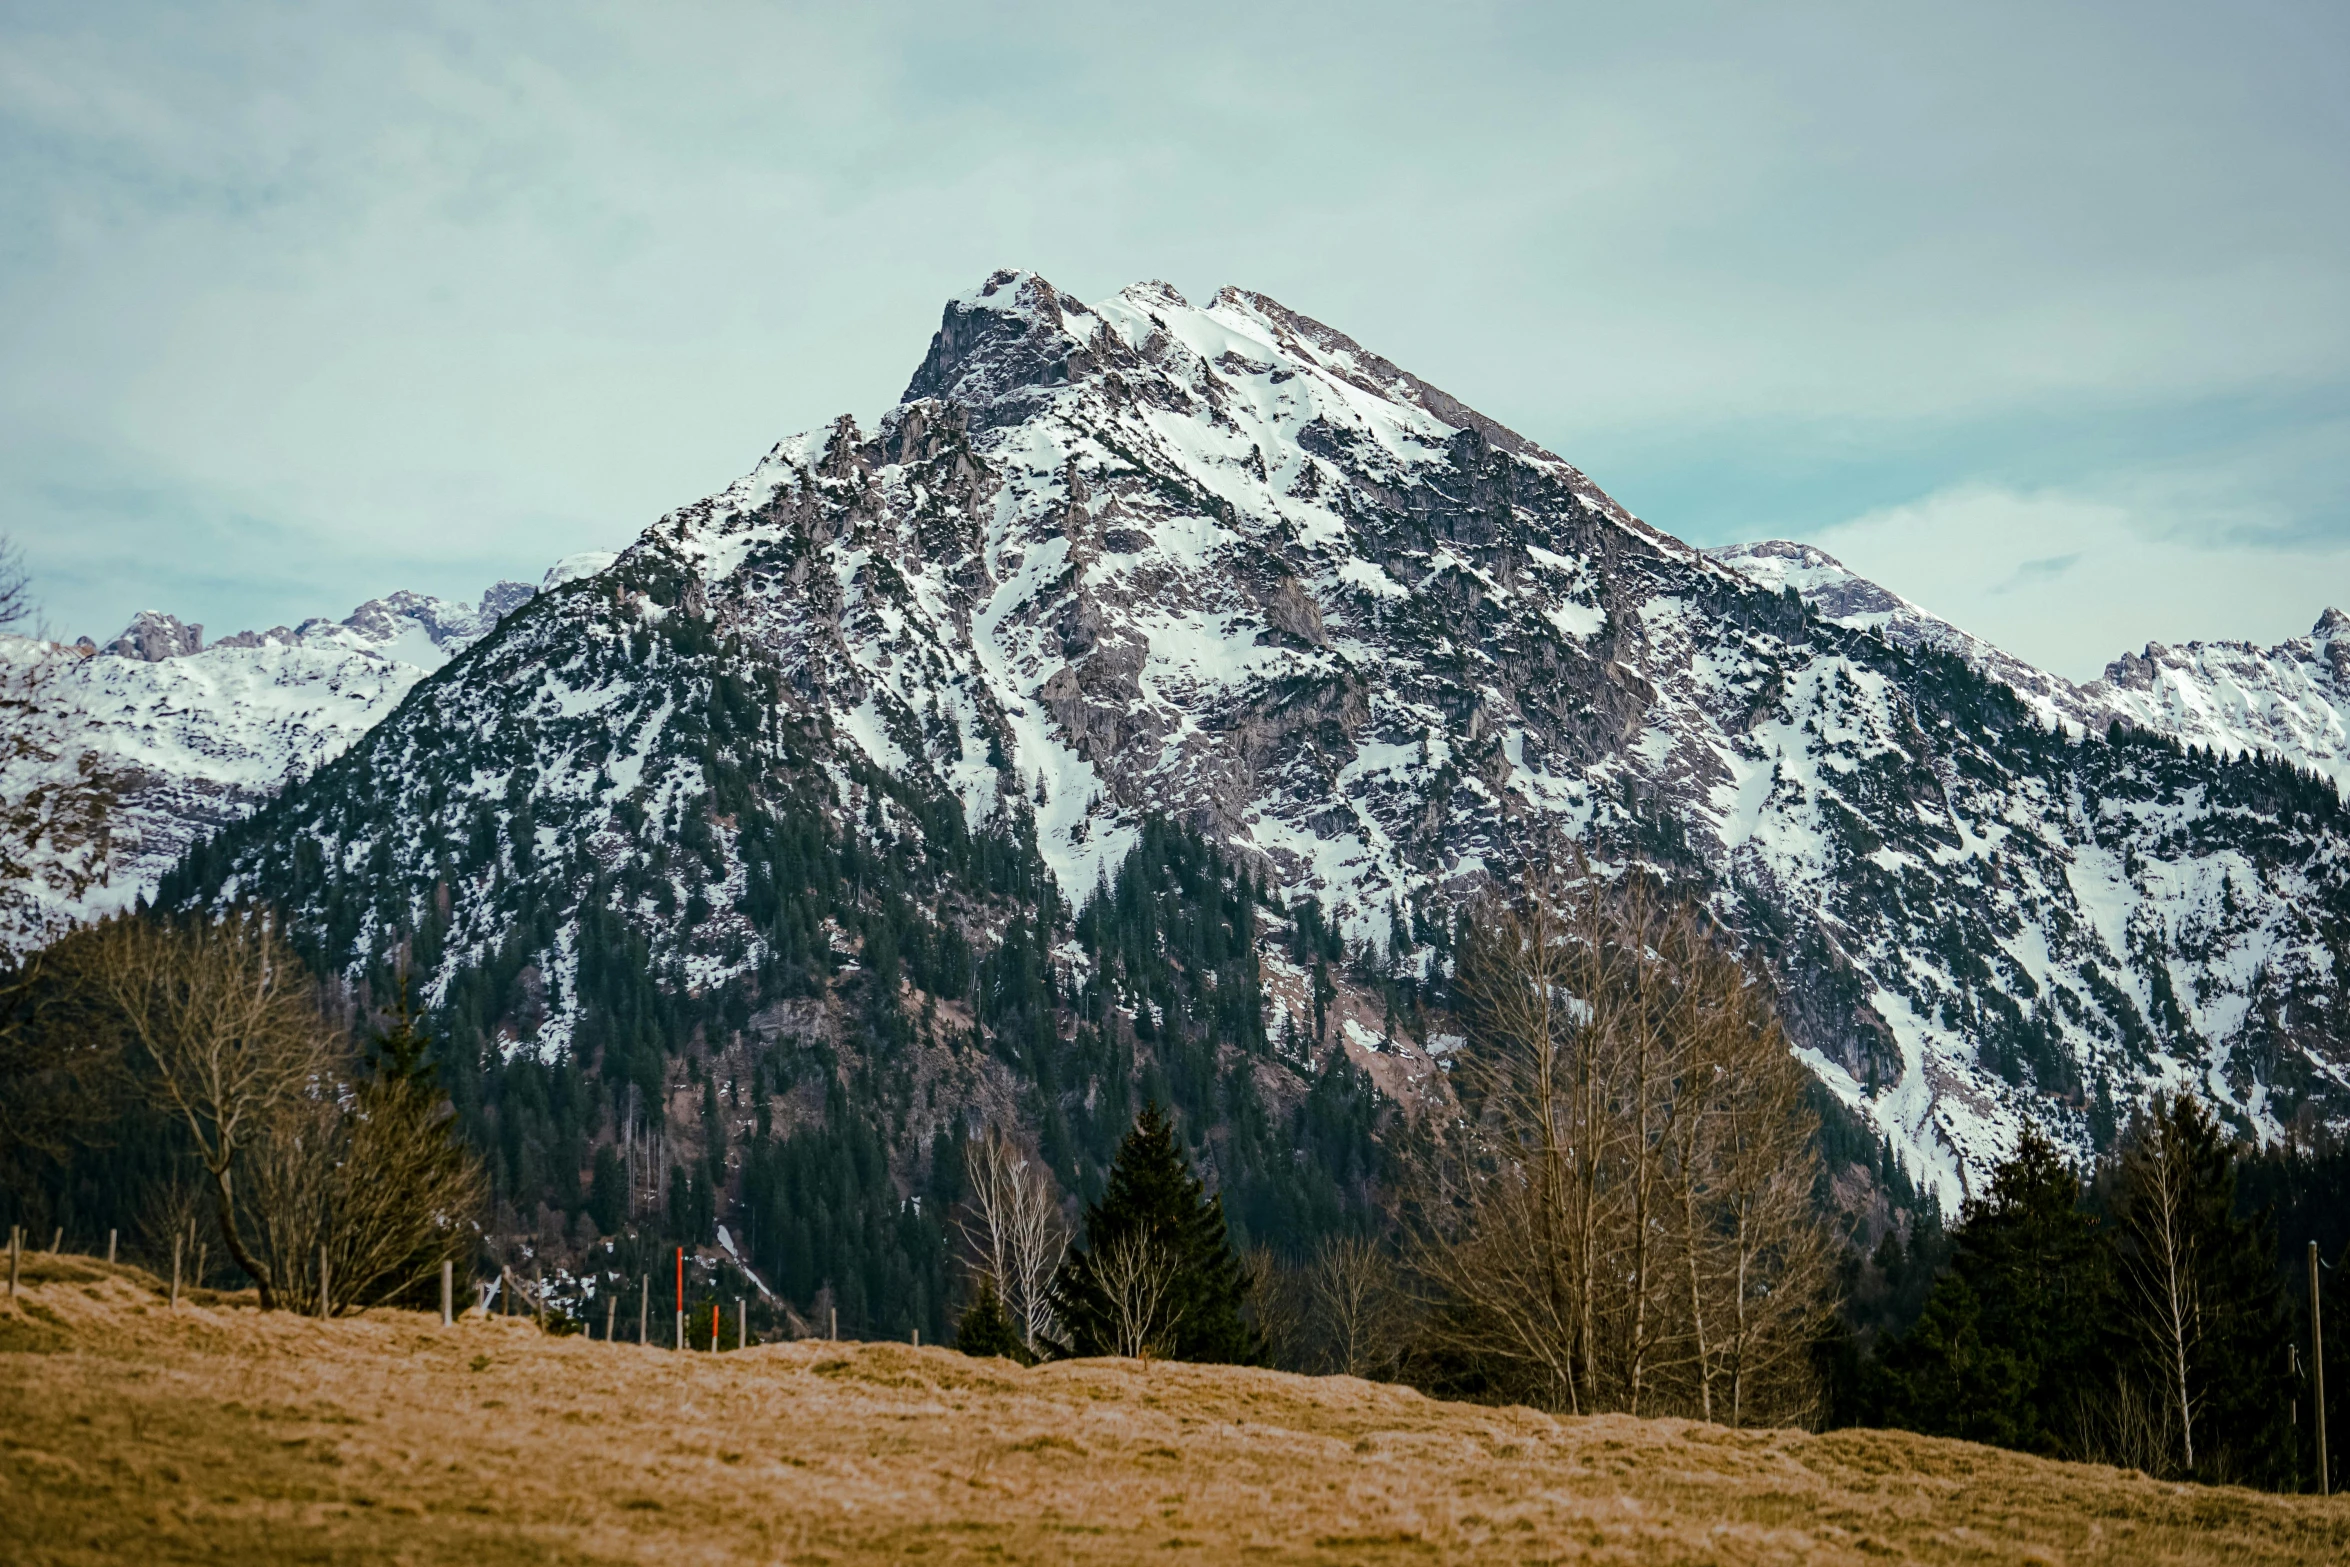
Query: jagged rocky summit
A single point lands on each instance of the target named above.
(1224, 564)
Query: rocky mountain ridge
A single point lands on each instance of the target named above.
(198, 735)
(2291, 701)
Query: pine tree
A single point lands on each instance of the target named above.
(607, 1202)
(2010, 1346)
(1158, 1273)
(402, 1052)
(985, 1328)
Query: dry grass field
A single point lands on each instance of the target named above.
(130, 1432)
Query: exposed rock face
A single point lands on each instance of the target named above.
(1225, 564)
(151, 638)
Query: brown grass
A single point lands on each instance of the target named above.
(130, 1432)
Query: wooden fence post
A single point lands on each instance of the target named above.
(742, 1323)
(176, 1243)
(644, 1309)
(611, 1305)
(448, 1291)
(15, 1245)
(2317, 1372)
(836, 1323)
(110, 1235)
(323, 1308)
(57, 1241)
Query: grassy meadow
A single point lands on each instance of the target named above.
(133, 1432)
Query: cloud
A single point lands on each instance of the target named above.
(444, 291)
(2036, 571)
(2118, 582)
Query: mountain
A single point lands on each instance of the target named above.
(2290, 701)
(932, 686)
(198, 736)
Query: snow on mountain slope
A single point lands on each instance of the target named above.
(1222, 562)
(201, 735)
(2290, 701)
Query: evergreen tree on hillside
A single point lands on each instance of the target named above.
(2203, 1322)
(400, 1051)
(2010, 1347)
(1158, 1271)
(985, 1328)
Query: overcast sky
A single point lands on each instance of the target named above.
(2037, 314)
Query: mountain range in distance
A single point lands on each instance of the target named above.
(1223, 564)
(208, 739)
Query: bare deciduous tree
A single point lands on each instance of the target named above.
(407, 1193)
(1015, 1229)
(1137, 1277)
(1772, 1260)
(368, 1172)
(1351, 1299)
(173, 1216)
(225, 1017)
(1276, 1303)
(1622, 1221)
(2161, 1271)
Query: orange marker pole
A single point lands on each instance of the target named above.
(681, 1293)
(713, 1327)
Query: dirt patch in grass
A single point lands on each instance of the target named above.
(131, 1431)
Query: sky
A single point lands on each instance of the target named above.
(2037, 314)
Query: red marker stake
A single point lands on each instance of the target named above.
(681, 1283)
(713, 1327)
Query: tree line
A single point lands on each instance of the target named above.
(2142, 1313)
(1619, 1215)
(1626, 1211)
(322, 1162)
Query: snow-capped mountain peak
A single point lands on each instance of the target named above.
(1224, 564)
